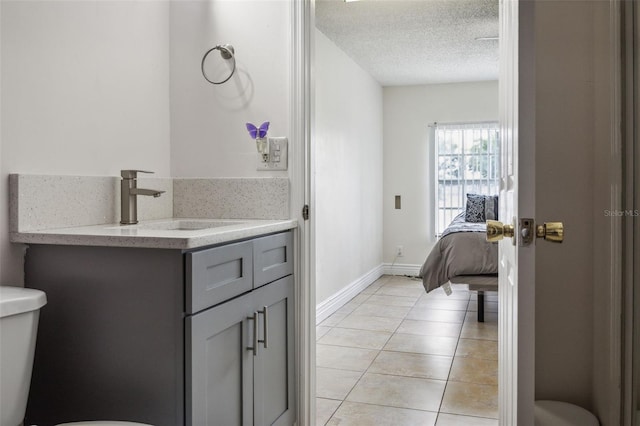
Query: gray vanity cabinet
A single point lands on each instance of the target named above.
(239, 353)
(162, 336)
(240, 367)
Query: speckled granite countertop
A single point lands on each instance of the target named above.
(177, 233)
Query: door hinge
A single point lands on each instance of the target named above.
(305, 212)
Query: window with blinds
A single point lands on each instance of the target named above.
(467, 162)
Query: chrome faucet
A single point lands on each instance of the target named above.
(129, 196)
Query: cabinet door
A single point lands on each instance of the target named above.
(219, 365)
(274, 365)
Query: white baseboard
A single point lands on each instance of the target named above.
(401, 269)
(339, 299)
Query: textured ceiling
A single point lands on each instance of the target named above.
(415, 42)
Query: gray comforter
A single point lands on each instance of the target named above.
(462, 250)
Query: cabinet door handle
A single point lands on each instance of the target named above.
(265, 327)
(254, 348)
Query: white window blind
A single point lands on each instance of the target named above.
(467, 162)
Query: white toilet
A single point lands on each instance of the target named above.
(557, 413)
(19, 313)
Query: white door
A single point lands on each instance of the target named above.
(517, 199)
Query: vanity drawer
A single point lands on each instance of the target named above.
(218, 274)
(272, 258)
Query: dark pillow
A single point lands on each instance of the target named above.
(475, 208)
(481, 208)
(491, 207)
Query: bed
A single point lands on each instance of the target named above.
(463, 256)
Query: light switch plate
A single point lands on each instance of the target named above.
(278, 155)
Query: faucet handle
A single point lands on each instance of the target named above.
(131, 174)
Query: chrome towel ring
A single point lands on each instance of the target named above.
(226, 52)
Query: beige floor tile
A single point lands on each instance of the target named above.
(489, 317)
(360, 298)
(343, 358)
(490, 296)
(485, 349)
(356, 338)
(412, 365)
(382, 311)
(333, 319)
(470, 399)
(348, 308)
(391, 300)
(325, 409)
(433, 345)
(383, 279)
(436, 315)
(396, 391)
(437, 303)
(356, 414)
(400, 291)
(473, 317)
(373, 287)
(366, 322)
(479, 330)
(370, 290)
(488, 306)
(321, 331)
(335, 384)
(456, 420)
(428, 328)
(405, 382)
(474, 370)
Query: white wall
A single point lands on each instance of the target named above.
(408, 168)
(348, 170)
(84, 91)
(208, 134)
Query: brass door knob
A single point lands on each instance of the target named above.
(551, 231)
(497, 231)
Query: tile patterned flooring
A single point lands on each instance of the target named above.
(395, 355)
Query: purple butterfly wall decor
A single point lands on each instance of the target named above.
(258, 132)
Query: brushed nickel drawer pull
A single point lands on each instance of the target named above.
(265, 327)
(254, 348)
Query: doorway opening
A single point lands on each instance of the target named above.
(378, 330)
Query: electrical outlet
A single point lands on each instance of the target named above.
(276, 159)
(399, 251)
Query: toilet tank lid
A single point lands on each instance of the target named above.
(17, 300)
